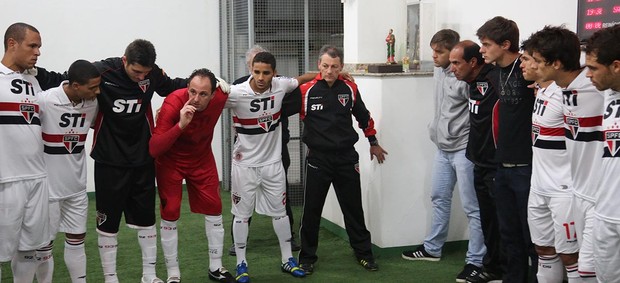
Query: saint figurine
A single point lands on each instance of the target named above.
(390, 40)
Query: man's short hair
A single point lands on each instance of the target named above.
(331, 51)
(204, 73)
(555, 44)
(500, 29)
(17, 31)
(265, 57)
(605, 44)
(82, 71)
(471, 50)
(142, 52)
(446, 38)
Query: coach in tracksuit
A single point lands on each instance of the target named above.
(326, 105)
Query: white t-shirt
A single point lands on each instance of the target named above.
(609, 190)
(583, 110)
(21, 148)
(65, 127)
(256, 118)
(550, 164)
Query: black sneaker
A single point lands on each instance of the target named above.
(369, 264)
(483, 277)
(221, 275)
(469, 270)
(307, 267)
(419, 254)
(294, 246)
(231, 250)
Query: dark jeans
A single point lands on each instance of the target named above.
(494, 260)
(512, 189)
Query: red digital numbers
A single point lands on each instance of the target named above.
(593, 25)
(616, 10)
(592, 1)
(594, 12)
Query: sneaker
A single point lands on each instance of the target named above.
(150, 279)
(469, 270)
(307, 267)
(173, 279)
(222, 275)
(292, 267)
(483, 277)
(232, 251)
(419, 254)
(294, 246)
(369, 264)
(242, 273)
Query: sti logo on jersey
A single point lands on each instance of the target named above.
(343, 98)
(70, 141)
(482, 87)
(265, 121)
(28, 111)
(612, 141)
(127, 105)
(573, 126)
(535, 133)
(144, 85)
(474, 106)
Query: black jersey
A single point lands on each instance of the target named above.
(482, 106)
(516, 101)
(125, 121)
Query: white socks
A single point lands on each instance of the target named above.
(283, 231)
(240, 232)
(45, 260)
(550, 269)
(75, 259)
(147, 238)
(108, 245)
(215, 236)
(169, 243)
(24, 266)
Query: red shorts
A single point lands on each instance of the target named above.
(202, 187)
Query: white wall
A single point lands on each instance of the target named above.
(368, 21)
(185, 34)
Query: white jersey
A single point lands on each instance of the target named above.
(21, 148)
(65, 127)
(609, 190)
(256, 118)
(550, 164)
(583, 109)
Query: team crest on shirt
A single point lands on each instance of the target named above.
(101, 218)
(482, 87)
(357, 167)
(265, 121)
(343, 98)
(70, 141)
(236, 198)
(535, 133)
(573, 126)
(612, 141)
(27, 111)
(144, 85)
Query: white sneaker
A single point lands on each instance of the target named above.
(150, 279)
(174, 279)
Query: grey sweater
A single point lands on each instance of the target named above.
(449, 128)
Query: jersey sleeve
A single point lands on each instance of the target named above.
(288, 84)
(166, 130)
(362, 115)
(166, 85)
(49, 79)
(233, 96)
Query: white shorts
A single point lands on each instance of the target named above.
(24, 218)
(551, 222)
(584, 223)
(69, 215)
(263, 188)
(606, 251)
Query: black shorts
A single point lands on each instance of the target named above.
(128, 190)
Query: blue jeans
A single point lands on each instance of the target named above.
(448, 169)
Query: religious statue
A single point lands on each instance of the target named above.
(390, 40)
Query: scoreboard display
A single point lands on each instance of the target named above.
(596, 14)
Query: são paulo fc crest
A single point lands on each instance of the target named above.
(236, 198)
(144, 85)
(27, 111)
(101, 218)
(343, 98)
(265, 121)
(612, 141)
(573, 126)
(70, 142)
(482, 87)
(535, 133)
